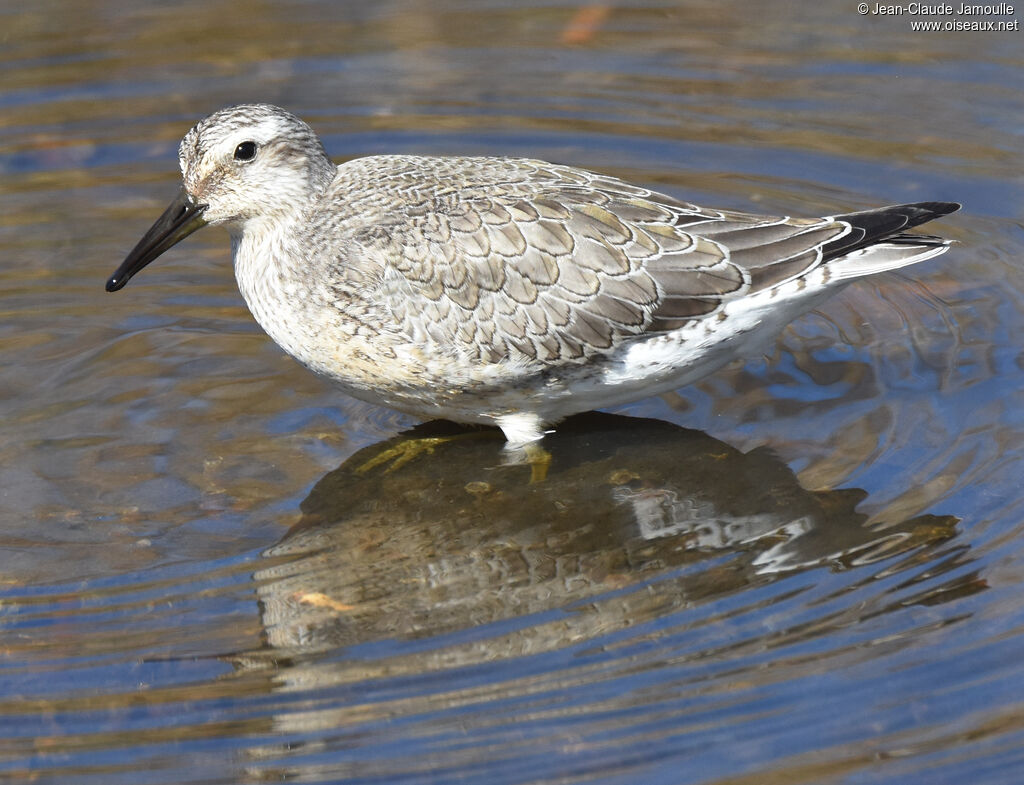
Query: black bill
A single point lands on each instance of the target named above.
(178, 221)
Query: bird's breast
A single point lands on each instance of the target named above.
(312, 314)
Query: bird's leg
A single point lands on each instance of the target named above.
(403, 452)
(532, 454)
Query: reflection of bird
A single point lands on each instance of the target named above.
(496, 290)
(459, 539)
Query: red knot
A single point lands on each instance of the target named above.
(504, 291)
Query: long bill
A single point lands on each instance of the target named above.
(178, 221)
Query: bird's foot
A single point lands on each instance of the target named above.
(531, 454)
(403, 452)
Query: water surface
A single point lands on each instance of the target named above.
(214, 568)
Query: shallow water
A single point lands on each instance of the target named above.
(805, 569)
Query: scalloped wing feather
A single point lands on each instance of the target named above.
(549, 263)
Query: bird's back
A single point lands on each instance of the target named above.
(513, 260)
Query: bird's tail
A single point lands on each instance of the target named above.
(877, 242)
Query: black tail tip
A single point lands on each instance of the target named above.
(937, 209)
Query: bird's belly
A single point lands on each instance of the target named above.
(428, 381)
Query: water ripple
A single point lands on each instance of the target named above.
(200, 579)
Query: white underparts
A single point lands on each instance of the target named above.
(521, 427)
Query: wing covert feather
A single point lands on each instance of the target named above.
(534, 261)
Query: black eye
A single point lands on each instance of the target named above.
(246, 151)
